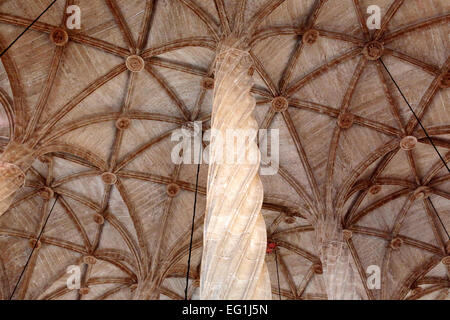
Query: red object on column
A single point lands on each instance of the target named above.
(270, 247)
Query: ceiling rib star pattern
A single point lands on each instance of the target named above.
(123, 209)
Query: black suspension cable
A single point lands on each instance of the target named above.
(278, 274)
(417, 118)
(34, 247)
(440, 220)
(193, 219)
(428, 136)
(56, 199)
(27, 28)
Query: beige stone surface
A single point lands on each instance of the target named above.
(340, 142)
(235, 239)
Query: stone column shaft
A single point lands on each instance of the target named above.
(14, 162)
(340, 276)
(235, 240)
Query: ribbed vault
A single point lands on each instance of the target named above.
(101, 135)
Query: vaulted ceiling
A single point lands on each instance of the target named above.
(103, 134)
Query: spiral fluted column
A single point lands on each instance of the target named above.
(340, 276)
(235, 240)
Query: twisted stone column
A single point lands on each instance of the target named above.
(341, 279)
(233, 262)
(14, 162)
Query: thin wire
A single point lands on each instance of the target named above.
(34, 248)
(440, 220)
(278, 274)
(428, 136)
(417, 118)
(193, 223)
(23, 32)
(56, 198)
